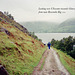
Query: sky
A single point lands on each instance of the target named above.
(27, 10)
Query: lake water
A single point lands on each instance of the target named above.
(47, 37)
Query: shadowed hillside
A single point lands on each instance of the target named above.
(19, 52)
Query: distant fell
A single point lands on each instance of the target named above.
(67, 26)
(40, 26)
(68, 22)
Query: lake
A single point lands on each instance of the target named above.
(47, 37)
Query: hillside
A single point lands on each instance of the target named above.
(40, 26)
(19, 52)
(67, 26)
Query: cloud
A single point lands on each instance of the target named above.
(27, 10)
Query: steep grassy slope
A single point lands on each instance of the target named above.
(19, 53)
(7, 20)
(67, 61)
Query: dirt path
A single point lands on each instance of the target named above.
(52, 65)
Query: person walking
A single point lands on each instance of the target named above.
(49, 44)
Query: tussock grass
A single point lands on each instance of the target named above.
(19, 53)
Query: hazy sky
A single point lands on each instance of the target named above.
(27, 10)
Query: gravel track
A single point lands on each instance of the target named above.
(52, 65)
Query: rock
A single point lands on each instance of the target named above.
(3, 71)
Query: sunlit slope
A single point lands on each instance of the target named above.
(19, 52)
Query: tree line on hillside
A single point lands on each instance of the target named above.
(32, 34)
(8, 15)
(66, 45)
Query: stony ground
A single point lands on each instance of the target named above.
(52, 65)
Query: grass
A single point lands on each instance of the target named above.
(19, 53)
(67, 61)
(20, 61)
(42, 64)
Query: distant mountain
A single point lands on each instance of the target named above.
(68, 22)
(67, 26)
(40, 26)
